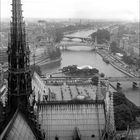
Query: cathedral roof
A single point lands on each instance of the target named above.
(64, 89)
(18, 128)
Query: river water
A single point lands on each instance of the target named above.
(81, 55)
(84, 57)
(91, 58)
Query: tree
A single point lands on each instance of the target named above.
(102, 75)
(95, 80)
(128, 60)
(102, 36)
(58, 35)
(114, 48)
(123, 116)
(125, 111)
(122, 30)
(93, 36)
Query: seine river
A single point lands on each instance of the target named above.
(86, 57)
(82, 55)
(91, 58)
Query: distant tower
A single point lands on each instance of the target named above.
(19, 77)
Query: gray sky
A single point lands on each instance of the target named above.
(95, 9)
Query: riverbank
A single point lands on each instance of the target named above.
(45, 65)
(48, 62)
(120, 69)
(116, 63)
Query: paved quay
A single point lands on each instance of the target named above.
(118, 64)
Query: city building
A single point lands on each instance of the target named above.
(51, 109)
(130, 44)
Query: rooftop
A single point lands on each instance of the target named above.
(63, 89)
(18, 128)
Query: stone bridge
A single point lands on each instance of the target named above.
(64, 45)
(77, 37)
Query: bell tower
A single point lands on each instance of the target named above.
(19, 77)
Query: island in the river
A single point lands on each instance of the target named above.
(74, 70)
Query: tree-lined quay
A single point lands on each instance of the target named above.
(119, 64)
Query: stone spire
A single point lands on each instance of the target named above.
(19, 77)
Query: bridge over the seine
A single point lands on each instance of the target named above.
(65, 45)
(82, 35)
(83, 39)
(86, 35)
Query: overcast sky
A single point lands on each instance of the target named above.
(95, 9)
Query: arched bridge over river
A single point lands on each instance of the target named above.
(83, 39)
